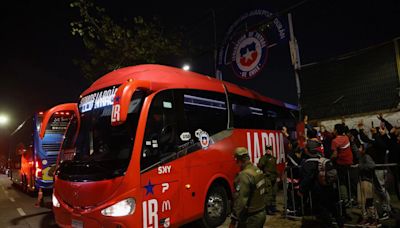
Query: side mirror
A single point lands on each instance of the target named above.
(122, 99)
(49, 113)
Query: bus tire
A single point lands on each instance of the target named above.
(215, 207)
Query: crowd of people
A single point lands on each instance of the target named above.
(326, 174)
(334, 171)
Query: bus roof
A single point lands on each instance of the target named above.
(170, 77)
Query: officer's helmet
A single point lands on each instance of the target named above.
(241, 152)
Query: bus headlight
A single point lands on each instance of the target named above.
(55, 201)
(122, 208)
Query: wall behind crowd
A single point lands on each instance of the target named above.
(359, 82)
(369, 120)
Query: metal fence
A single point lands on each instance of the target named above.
(385, 182)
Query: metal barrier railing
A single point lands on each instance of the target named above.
(295, 206)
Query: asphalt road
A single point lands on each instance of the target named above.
(17, 208)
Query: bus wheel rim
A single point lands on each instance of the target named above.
(215, 206)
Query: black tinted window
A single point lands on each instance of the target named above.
(161, 127)
(205, 110)
(172, 122)
(249, 114)
(254, 114)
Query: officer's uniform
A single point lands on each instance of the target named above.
(267, 164)
(249, 197)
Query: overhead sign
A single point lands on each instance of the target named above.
(255, 54)
(97, 100)
(249, 55)
(246, 46)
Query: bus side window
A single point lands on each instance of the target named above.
(249, 113)
(161, 133)
(205, 110)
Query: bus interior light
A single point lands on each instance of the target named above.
(122, 208)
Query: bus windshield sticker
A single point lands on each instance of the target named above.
(185, 136)
(167, 104)
(203, 137)
(154, 143)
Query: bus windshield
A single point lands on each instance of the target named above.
(99, 150)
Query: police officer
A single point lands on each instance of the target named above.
(249, 197)
(267, 164)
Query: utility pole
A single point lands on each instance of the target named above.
(215, 41)
(295, 57)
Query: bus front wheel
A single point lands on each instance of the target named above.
(216, 207)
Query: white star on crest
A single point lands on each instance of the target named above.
(248, 56)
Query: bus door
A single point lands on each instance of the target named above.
(161, 168)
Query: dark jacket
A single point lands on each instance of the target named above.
(293, 165)
(308, 173)
(377, 146)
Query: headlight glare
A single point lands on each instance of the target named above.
(122, 208)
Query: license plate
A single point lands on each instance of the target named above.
(76, 224)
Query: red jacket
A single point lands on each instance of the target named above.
(341, 144)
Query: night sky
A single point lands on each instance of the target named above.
(37, 47)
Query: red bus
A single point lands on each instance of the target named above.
(153, 146)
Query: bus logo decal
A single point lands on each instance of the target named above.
(256, 148)
(166, 222)
(115, 115)
(165, 187)
(149, 188)
(166, 206)
(164, 169)
(185, 136)
(249, 55)
(150, 213)
(203, 137)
